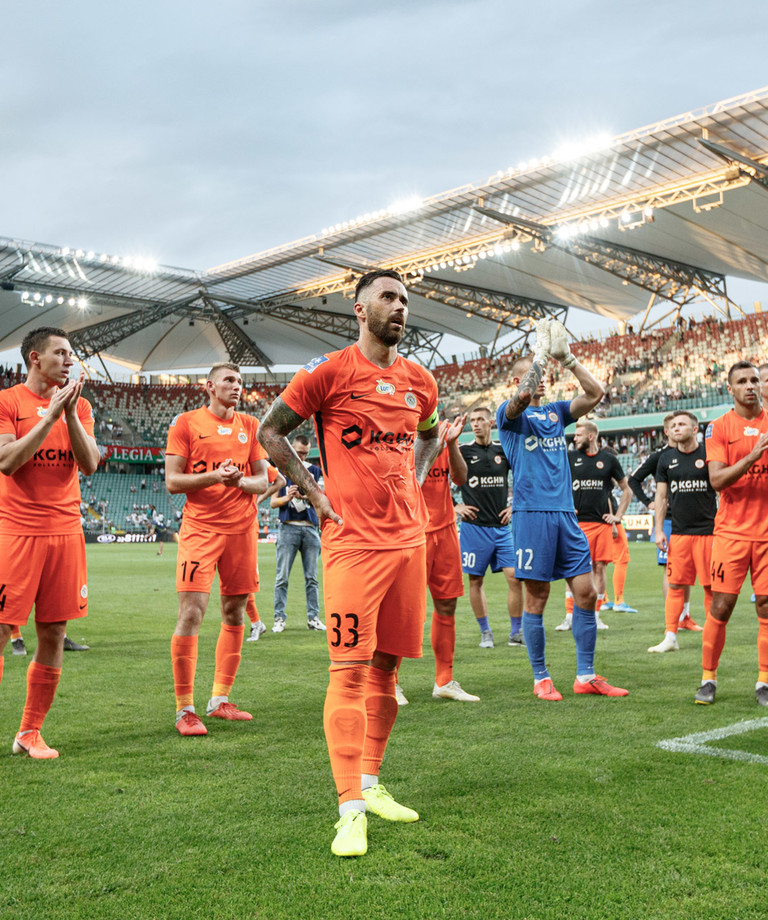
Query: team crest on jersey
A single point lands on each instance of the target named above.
(410, 399)
(220, 429)
(708, 432)
(553, 416)
(84, 592)
(751, 432)
(315, 362)
(242, 437)
(497, 459)
(384, 388)
(699, 464)
(599, 464)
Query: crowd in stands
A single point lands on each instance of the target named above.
(681, 366)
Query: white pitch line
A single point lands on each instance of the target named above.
(697, 742)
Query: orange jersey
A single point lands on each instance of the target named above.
(437, 494)
(43, 495)
(743, 509)
(206, 441)
(366, 419)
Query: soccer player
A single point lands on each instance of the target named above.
(738, 470)
(682, 479)
(444, 577)
(214, 457)
(549, 543)
(377, 430)
(485, 537)
(298, 533)
(635, 480)
(594, 473)
(46, 436)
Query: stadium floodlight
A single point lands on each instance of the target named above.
(82, 302)
(404, 205)
(572, 150)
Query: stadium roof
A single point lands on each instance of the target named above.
(661, 214)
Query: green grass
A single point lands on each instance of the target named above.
(529, 809)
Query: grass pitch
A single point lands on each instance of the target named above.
(529, 809)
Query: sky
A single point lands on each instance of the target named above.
(197, 133)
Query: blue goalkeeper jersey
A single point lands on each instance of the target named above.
(534, 444)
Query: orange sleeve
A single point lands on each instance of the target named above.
(715, 441)
(85, 414)
(6, 415)
(306, 391)
(178, 437)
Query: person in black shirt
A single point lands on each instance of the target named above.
(635, 480)
(594, 473)
(682, 481)
(485, 536)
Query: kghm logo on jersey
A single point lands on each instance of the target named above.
(222, 430)
(410, 399)
(384, 388)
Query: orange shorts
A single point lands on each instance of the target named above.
(732, 559)
(620, 546)
(600, 540)
(48, 572)
(202, 553)
(444, 576)
(689, 558)
(375, 599)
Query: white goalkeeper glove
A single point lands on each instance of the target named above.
(558, 346)
(541, 349)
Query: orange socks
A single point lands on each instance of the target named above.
(381, 709)
(762, 646)
(443, 635)
(42, 682)
(673, 608)
(568, 603)
(344, 720)
(15, 633)
(619, 580)
(184, 662)
(712, 642)
(251, 609)
(228, 654)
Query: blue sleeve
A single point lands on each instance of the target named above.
(515, 424)
(563, 409)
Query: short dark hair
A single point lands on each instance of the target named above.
(301, 439)
(740, 366)
(228, 365)
(486, 409)
(368, 279)
(690, 415)
(762, 367)
(37, 339)
(518, 362)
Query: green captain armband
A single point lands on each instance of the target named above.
(428, 422)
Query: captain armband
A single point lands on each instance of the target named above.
(428, 423)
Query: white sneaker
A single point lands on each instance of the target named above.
(486, 639)
(316, 624)
(565, 626)
(667, 644)
(400, 696)
(257, 629)
(452, 691)
(599, 622)
(279, 626)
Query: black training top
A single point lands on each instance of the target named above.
(486, 485)
(692, 500)
(593, 477)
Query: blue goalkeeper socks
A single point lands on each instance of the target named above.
(535, 641)
(584, 628)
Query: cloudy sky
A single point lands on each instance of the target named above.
(197, 133)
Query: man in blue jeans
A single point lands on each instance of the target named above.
(298, 533)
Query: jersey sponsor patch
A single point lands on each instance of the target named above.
(708, 432)
(384, 388)
(315, 362)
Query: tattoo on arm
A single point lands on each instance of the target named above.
(525, 392)
(279, 421)
(426, 449)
